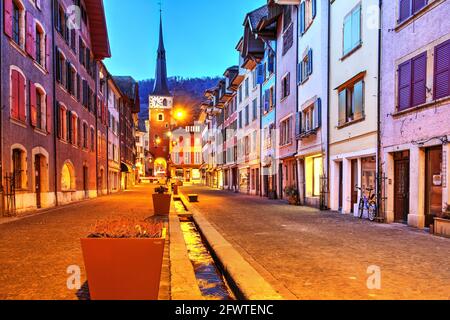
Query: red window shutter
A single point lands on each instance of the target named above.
(8, 17)
(405, 10)
(404, 86)
(21, 95)
(15, 94)
(49, 112)
(48, 52)
(33, 110)
(30, 44)
(419, 85)
(442, 70)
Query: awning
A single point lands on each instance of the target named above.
(124, 168)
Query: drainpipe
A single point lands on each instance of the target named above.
(297, 176)
(55, 122)
(96, 128)
(379, 160)
(1, 115)
(328, 103)
(107, 133)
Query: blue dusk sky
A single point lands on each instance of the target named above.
(200, 35)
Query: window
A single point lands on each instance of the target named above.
(92, 140)
(246, 145)
(254, 78)
(240, 94)
(240, 120)
(352, 30)
(62, 123)
(16, 23)
(85, 135)
(255, 109)
(351, 103)
(60, 17)
(412, 88)
(39, 110)
(307, 12)
(286, 132)
(19, 163)
(271, 62)
(286, 86)
(442, 70)
(310, 118)
(407, 8)
(61, 66)
(247, 115)
(305, 67)
(247, 87)
(40, 46)
(18, 96)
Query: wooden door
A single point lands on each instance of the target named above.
(401, 186)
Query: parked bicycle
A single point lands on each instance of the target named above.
(368, 203)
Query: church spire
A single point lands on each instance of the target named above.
(161, 87)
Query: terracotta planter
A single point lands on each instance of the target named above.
(293, 201)
(161, 203)
(442, 227)
(123, 269)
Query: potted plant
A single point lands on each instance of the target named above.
(161, 201)
(292, 195)
(123, 259)
(442, 224)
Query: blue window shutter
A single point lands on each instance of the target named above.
(301, 71)
(318, 113)
(302, 18)
(298, 121)
(314, 8)
(260, 74)
(310, 61)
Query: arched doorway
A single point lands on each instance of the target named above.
(160, 167)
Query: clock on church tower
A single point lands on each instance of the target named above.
(160, 114)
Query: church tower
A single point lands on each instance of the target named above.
(160, 113)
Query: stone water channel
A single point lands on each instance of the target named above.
(210, 280)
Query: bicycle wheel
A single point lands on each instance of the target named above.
(372, 212)
(361, 209)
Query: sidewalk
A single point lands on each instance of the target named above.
(310, 254)
(36, 251)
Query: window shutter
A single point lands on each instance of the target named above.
(49, 112)
(260, 73)
(442, 70)
(59, 120)
(418, 4)
(318, 113)
(8, 19)
(78, 87)
(314, 8)
(288, 84)
(30, 42)
(356, 27)
(58, 65)
(69, 126)
(342, 107)
(310, 62)
(79, 132)
(405, 10)
(347, 34)
(48, 52)
(302, 18)
(68, 77)
(14, 94)
(80, 50)
(404, 86)
(358, 100)
(21, 95)
(33, 110)
(419, 86)
(298, 119)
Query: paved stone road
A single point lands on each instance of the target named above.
(36, 251)
(307, 254)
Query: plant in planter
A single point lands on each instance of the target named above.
(292, 194)
(123, 259)
(442, 224)
(161, 201)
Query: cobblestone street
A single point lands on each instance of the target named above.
(36, 251)
(307, 254)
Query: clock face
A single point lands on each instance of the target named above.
(160, 102)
